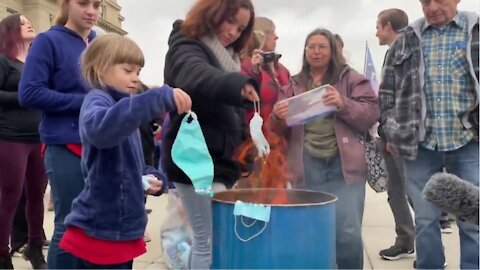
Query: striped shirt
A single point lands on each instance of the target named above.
(449, 88)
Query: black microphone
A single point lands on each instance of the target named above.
(453, 195)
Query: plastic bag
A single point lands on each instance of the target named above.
(304, 107)
(176, 234)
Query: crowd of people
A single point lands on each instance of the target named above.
(72, 103)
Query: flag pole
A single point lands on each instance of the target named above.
(366, 57)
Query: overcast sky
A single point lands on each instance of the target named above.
(149, 23)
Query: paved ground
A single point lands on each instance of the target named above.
(378, 233)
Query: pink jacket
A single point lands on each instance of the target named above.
(359, 112)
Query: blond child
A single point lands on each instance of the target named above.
(108, 219)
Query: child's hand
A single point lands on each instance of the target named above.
(155, 186)
(158, 129)
(182, 100)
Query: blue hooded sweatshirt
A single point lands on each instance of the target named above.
(111, 206)
(52, 83)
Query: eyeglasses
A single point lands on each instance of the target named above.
(313, 47)
(428, 2)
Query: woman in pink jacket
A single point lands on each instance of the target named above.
(325, 154)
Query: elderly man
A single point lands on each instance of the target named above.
(429, 103)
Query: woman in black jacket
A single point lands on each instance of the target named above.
(203, 60)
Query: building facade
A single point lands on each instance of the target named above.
(42, 14)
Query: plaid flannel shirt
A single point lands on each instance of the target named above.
(448, 85)
(402, 99)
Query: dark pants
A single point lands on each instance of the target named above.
(66, 181)
(19, 236)
(87, 265)
(21, 167)
(398, 201)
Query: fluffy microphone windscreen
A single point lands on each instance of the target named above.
(453, 195)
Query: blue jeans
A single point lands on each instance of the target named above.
(326, 175)
(66, 181)
(462, 162)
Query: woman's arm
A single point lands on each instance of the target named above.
(187, 67)
(360, 109)
(33, 89)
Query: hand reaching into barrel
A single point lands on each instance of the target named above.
(249, 93)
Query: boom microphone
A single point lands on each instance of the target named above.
(453, 195)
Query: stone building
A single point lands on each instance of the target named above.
(42, 14)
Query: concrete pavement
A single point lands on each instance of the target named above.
(378, 233)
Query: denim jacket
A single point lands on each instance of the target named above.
(402, 100)
(111, 206)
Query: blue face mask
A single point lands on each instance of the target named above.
(190, 154)
(257, 212)
(252, 210)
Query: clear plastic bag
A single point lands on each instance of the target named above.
(304, 107)
(176, 234)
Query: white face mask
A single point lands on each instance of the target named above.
(256, 133)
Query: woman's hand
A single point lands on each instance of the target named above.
(249, 93)
(182, 100)
(280, 109)
(257, 61)
(333, 97)
(389, 149)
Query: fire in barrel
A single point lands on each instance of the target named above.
(265, 225)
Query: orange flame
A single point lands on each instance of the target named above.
(271, 172)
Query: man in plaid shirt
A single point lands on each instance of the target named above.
(429, 104)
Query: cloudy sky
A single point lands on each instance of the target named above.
(149, 23)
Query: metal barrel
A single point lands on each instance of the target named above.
(299, 235)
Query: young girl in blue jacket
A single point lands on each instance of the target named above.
(106, 225)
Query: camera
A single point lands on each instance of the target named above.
(268, 57)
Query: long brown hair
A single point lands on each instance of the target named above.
(11, 36)
(207, 15)
(254, 42)
(62, 16)
(336, 64)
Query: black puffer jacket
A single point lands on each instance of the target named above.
(216, 99)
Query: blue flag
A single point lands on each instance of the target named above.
(369, 71)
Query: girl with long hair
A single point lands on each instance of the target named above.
(52, 83)
(203, 59)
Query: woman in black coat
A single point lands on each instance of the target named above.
(203, 60)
